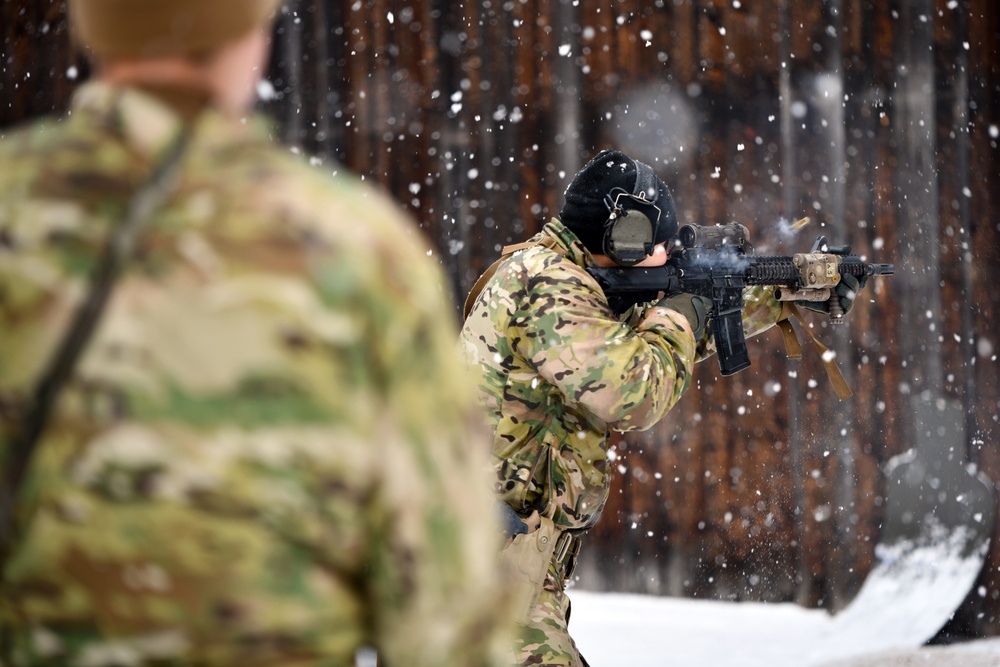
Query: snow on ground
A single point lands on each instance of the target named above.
(909, 595)
(619, 630)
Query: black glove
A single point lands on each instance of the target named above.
(511, 524)
(845, 292)
(694, 308)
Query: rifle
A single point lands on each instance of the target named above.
(718, 263)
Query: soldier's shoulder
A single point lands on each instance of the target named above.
(31, 145)
(308, 190)
(25, 133)
(544, 268)
(350, 218)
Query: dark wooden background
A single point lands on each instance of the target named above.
(880, 120)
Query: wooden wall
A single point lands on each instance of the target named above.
(879, 120)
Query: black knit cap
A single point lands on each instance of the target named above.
(585, 211)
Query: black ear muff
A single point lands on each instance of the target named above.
(633, 219)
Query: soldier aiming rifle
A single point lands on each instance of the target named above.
(592, 325)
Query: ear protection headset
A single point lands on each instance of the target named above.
(631, 227)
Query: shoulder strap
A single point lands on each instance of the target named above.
(141, 207)
(508, 250)
(794, 351)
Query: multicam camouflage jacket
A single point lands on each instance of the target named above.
(557, 370)
(247, 467)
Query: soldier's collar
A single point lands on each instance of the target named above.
(143, 121)
(568, 241)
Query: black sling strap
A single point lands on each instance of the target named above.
(141, 207)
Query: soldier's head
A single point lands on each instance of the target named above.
(156, 39)
(619, 207)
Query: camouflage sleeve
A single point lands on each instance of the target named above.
(761, 311)
(628, 377)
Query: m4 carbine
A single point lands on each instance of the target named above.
(717, 263)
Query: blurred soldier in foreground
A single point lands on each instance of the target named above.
(558, 369)
(262, 454)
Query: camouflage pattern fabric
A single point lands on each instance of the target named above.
(545, 639)
(266, 455)
(557, 371)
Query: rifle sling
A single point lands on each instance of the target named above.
(146, 200)
(794, 351)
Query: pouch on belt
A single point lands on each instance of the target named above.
(525, 560)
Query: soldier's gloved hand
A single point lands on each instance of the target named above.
(694, 308)
(511, 524)
(845, 292)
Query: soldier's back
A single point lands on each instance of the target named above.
(246, 466)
